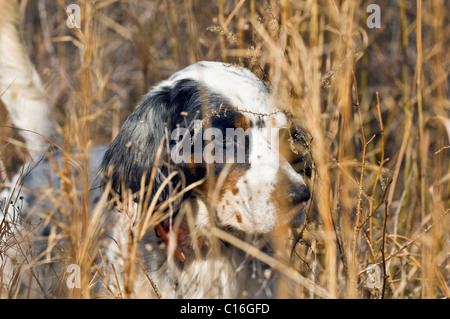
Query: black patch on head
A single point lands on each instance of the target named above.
(260, 123)
(133, 154)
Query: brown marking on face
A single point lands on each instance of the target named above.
(229, 184)
(274, 122)
(242, 122)
(239, 217)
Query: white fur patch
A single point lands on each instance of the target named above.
(241, 87)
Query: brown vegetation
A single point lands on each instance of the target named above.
(375, 101)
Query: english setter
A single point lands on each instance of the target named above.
(205, 150)
(245, 185)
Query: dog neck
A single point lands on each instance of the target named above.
(186, 233)
(192, 265)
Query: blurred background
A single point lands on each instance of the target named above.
(381, 181)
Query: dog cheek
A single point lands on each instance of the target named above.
(228, 212)
(238, 217)
(260, 219)
(265, 209)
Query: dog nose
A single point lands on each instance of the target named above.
(299, 194)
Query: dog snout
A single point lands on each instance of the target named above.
(299, 194)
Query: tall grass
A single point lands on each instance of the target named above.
(375, 102)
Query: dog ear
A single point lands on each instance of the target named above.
(132, 154)
(136, 150)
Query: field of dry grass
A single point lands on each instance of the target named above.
(375, 101)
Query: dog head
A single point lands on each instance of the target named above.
(214, 126)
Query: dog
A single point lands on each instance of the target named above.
(246, 198)
(205, 151)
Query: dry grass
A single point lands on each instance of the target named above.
(375, 101)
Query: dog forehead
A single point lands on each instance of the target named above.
(276, 119)
(239, 85)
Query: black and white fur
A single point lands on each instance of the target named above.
(245, 199)
(252, 194)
